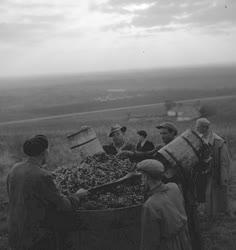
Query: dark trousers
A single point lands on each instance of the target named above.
(201, 185)
(194, 227)
(47, 243)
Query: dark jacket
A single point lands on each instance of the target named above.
(32, 194)
(146, 154)
(147, 146)
(112, 150)
(164, 220)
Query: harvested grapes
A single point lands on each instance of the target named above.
(98, 170)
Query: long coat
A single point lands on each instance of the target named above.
(217, 184)
(186, 186)
(32, 194)
(164, 220)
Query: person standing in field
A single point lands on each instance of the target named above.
(34, 200)
(216, 195)
(119, 141)
(164, 220)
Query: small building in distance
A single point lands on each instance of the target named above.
(184, 112)
(114, 94)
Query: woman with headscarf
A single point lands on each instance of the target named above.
(33, 197)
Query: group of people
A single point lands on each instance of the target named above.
(170, 217)
(205, 192)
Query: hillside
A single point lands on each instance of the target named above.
(22, 98)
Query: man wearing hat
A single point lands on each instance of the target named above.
(168, 132)
(33, 196)
(217, 180)
(164, 220)
(119, 141)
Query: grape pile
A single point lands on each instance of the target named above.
(95, 171)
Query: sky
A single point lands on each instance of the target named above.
(73, 36)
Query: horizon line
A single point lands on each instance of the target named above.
(61, 74)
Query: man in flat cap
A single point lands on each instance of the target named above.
(33, 197)
(168, 132)
(164, 220)
(119, 141)
(218, 177)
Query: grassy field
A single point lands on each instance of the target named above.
(219, 234)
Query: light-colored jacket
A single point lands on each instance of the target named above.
(218, 181)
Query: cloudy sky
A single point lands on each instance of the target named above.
(57, 36)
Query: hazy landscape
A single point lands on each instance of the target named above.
(30, 97)
(48, 96)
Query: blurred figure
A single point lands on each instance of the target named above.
(164, 220)
(143, 145)
(34, 200)
(119, 141)
(218, 177)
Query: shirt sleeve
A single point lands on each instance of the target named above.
(150, 232)
(51, 195)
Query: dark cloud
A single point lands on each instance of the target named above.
(38, 19)
(199, 13)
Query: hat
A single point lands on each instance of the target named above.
(115, 128)
(142, 133)
(151, 167)
(168, 125)
(36, 145)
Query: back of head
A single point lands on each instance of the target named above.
(35, 146)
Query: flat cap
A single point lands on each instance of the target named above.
(168, 125)
(151, 167)
(115, 128)
(35, 146)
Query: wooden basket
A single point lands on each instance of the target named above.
(85, 142)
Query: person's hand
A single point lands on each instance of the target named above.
(82, 193)
(125, 154)
(133, 175)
